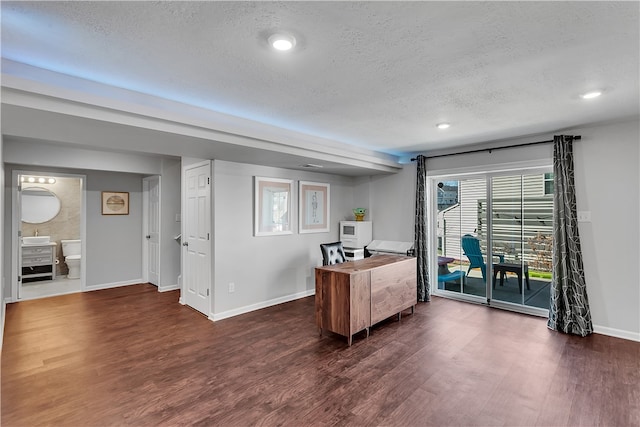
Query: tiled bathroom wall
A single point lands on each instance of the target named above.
(66, 225)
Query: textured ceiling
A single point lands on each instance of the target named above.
(379, 75)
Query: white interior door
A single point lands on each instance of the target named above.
(152, 236)
(17, 244)
(196, 237)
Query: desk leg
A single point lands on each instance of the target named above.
(350, 340)
(320, 331)
(443, 269)
(367, 332)
(413, 309)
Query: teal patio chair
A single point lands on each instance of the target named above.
(471, 248)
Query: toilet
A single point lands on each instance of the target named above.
(72, 252)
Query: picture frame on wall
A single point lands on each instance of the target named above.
(272, 202)
(315, 207)
(115, 203)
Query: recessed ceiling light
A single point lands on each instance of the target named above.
(443, 125)
(592, 94)
(282, 42)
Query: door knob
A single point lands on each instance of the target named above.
(185, 244)
(147, 236)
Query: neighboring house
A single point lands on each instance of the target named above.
(522, 218)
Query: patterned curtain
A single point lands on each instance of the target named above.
(569, 309)
(420, 245)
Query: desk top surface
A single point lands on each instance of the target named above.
(366, 263)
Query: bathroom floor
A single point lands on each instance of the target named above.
(49, 288)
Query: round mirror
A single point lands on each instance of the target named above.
(39, 205)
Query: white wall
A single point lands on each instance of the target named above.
(390, 203)
(606, 179)
(393, 205)
(28, 152)
(171, 191)
(3, 279)
(268, 269)
(113, 242)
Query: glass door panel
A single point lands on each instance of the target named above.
(459, 219)
(522, 223)
(538, 238)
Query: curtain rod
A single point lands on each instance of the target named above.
(479, 150)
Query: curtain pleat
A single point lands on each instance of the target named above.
(420, 245)
(569, 307)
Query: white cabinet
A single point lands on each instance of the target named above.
(355, 234)
(38, 261)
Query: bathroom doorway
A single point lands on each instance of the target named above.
(48, 219)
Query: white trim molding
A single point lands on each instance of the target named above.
(253, 307)
(617, 333)
(114, 285)
(167, 288)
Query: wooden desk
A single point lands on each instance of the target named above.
(353, 296)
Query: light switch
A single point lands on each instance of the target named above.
(178, 217)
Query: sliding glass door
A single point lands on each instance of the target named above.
(458, 226)
(521, 232)
(494, 236)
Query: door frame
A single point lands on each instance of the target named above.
(16, 228)
(145, 227)
(432, 243)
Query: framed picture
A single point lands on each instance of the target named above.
(272, 206)
(115, 203)
(314, 207)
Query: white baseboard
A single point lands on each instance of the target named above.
(4, 310)
(167, 288)
(114, 285)
(260, 305)
(617, 333)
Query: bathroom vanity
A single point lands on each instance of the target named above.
(38, 261)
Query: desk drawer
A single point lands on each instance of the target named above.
(33, 260)
(37, 251)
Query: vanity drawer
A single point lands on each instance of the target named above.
(33, 260)
(37, 250)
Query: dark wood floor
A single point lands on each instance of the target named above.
(133, 356)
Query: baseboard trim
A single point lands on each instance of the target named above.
(113, 285)
(617, 333)
(168, 288)
(4, 310)
(261, 305)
